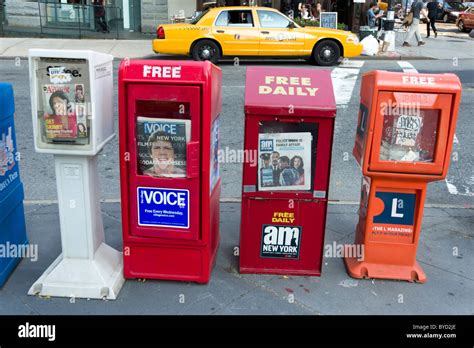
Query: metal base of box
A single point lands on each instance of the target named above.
(292, 272)
(99, 278)
(362, 269)
(195, 264)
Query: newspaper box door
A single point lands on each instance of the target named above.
(406, 137)
(166, 160)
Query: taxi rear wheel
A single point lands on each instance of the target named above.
(327, 53)
(206, 50)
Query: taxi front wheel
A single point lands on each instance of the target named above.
(206, 50)
(326, 53)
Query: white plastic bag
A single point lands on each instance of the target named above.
(371, 46)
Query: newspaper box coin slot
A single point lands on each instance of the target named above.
(403, 141)
(13, 239)
(169, 138)
(72, 113)
(289, 123)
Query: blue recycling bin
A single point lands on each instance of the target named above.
(13, 239)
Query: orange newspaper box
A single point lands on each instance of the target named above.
(403, 141)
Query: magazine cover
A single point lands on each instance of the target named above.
(63, 105)
(407, 138)
(161, 146)
(284, 161)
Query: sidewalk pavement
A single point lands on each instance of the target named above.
(448, 45)
(445, 253)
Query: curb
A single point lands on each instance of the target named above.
(394, 58)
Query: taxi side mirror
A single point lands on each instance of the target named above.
(291, 25)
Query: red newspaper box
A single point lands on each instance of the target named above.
(169, 170)
(289, 124)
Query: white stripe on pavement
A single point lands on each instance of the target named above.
(343, 82)
(346, 63)
(407, 67)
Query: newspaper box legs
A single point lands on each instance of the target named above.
(170, 184)
(72, 107)
(12, 216)
(289, 123)
(403, 141)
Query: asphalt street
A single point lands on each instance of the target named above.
(37, 170)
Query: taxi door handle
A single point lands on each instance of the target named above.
(265, 32)
(220, 31)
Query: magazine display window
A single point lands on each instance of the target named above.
(72, 105)
(170, 180)
(404, 137)
(289, 124)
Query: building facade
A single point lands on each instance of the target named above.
(67, 17)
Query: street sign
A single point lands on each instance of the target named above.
(328, 20)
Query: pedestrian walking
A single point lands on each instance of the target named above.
(416, 8)
(99, 13)
(432, 7)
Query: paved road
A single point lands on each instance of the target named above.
(37, 170)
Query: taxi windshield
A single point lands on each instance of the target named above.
(198, 17)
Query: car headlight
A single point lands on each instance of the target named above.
(455, 14)
(352, 39)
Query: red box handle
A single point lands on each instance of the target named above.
(192, 159)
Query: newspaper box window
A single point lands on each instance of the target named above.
(289, 123)
(63, 101)
(286, 155)
(69, 99)
(162, 138)
(72, 112)
(403, 141)
(169, 139)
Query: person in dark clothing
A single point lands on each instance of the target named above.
(99, 13)
(289, 176)
(275, 156)
(432, 7)
(297, 5)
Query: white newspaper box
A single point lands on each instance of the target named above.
(72, 109)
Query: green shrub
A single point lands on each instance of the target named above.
(315, 23)
(306, 22)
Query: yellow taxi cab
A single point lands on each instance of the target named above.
(253, 31)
